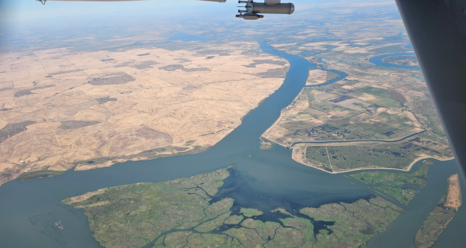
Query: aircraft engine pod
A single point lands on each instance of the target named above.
(253, 10)
(282, 8)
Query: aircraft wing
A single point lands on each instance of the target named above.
(437, 29)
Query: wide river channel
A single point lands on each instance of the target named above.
(264, 180)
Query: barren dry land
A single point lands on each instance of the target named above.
(61, 109)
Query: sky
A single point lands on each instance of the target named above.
(17, 16)
(23, 10)
(19, 10)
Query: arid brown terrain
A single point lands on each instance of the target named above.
(61, 108)
(316, 77)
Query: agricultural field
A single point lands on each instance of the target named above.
(376, 117)
(399, 156)
(353, 110)
(385, 108)
(367, 113)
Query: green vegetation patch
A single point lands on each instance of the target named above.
(440, 216)
(213, 224)
(250, 212)
(408, 60)
(331, 76)
(181, 213)
(38, 174)
(234, 219)
(401, 186)
(393, 155)
(145, 212)
(337, 114)
(266, 230)
(357, 222)
(383, 97)
(389, 49)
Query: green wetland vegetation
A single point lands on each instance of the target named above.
(401, 60)
(392, 155)
(441, 215)
(400, 186)
(190, 212)
(389, 49)
(331, 76)
(250, 212)
(38, 174)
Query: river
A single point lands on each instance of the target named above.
(265, 180)
(378, 60)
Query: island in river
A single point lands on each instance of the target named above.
(398, 186)
(191, 212)
(441, 215)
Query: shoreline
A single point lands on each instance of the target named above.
(355, 142)
(104, 146)
(369, 168)
(279, 118)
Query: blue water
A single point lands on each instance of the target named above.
(342, 75)
(264, 180)
(378, 61)
(322, 61)
(403, 230)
